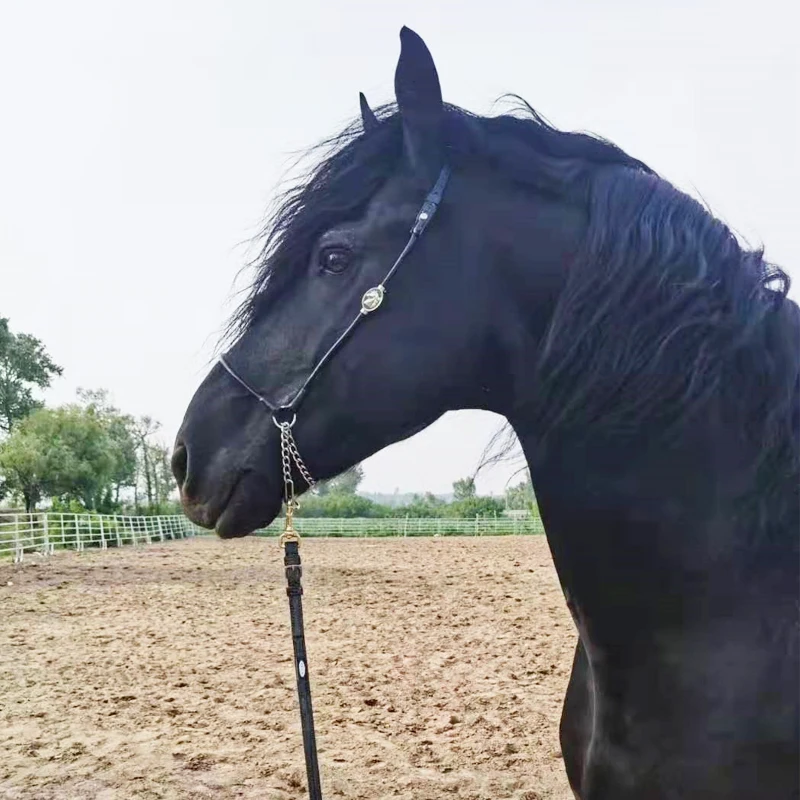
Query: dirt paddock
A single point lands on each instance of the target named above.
(438, 668)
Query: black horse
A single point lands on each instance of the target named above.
(648, 363)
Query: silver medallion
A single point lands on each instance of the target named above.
(372, 299)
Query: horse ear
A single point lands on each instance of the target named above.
(368, 118)
(419, 98)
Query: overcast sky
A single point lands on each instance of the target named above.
(141, 143)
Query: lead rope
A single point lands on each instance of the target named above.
(290, 541)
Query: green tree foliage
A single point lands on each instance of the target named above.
(340, 506)
(24, 465)
(464, 489)
(471, 507)
(24, 364)
(162, 480)
(422, 506)
(154, 482)
(64, 452)
(85, 455)
(121, 431)
(353, 505)
(521, 496)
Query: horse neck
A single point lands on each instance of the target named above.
(663, 534)
(631, 520)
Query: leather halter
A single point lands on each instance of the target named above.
(371, 300)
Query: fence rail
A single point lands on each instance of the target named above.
(407, 526)
(44, 533)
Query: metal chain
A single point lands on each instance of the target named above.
(289, 454)
(286, 464)
(300, 464)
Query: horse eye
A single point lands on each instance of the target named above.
(334, 260)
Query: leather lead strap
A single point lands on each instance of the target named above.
(294, 588)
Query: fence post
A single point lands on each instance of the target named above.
(78, 542)
(116, 531)
(160, 528)
(103, 543)
(47, 548)
(18, 549)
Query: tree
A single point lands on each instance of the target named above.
(426, 506)
(340, 506)
(163, 482)
(521, 496)
(153, 468)
(63, 452)
(143, 429)
(24, 465)
(346, 483)
(471, 507)
(24, 364)
(464, 489)
(121, 430)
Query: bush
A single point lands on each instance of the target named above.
(471, 507)
(342, 506)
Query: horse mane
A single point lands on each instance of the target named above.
(348, 168)
(662, 310)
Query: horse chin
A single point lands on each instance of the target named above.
(251, 507)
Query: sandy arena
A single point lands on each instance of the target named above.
(438, 668)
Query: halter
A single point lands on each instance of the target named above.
(284, 416)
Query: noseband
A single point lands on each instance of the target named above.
(284, 416)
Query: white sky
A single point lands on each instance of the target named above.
(141, 142)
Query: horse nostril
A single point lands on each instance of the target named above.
(180, 463)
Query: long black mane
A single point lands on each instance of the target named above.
(663, 310)
(350, 167)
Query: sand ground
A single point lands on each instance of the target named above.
(438, 669)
